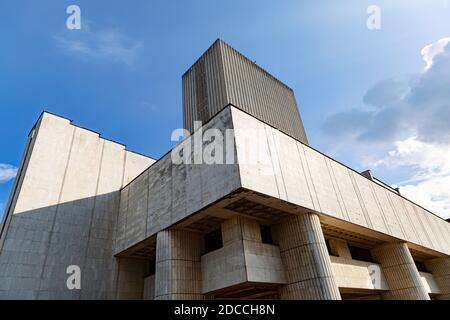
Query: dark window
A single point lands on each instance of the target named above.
(266, 234)
(213, 240)
(329, 248)
(151, 268)
(360, 254)
(420, 266)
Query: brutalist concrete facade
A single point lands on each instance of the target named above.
(62, 211)
(290, 223)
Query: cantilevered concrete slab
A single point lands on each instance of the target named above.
(288, 176)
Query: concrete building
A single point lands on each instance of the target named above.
(290, 223)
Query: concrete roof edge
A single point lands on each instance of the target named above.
(84, 128)
(342, 164)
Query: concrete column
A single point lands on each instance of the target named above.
(306, 260)
(178, 266)
(440, 268)
(400, 271)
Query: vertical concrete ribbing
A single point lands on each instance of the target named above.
(440, 268)
(178, 266)
(306, 260)
(232, 78)
(400, 271)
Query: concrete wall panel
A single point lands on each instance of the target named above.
(176, 191)
(43, 179)
(348, 195)
(333, 189)
(389, 212)
(223, 267)
(292, 170)
(323, 186)
(369, 203)
(253, 154)
(356, 274)
(64, 213)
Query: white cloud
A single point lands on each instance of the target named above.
(106, 44)
(430, 51)
(395, 109)
(410, 116)
(429, 164)
(427, 159)
(432, 194)
(7, 172)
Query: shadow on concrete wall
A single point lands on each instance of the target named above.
(40, 244)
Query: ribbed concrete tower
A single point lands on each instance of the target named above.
(223, 76)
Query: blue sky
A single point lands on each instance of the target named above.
(364, 95)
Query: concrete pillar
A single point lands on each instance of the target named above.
(401, 273)
(178, 266)
(440, 268)
(306, 260)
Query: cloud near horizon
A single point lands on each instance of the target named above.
(106, 44)
(410, 116)
(7, 172)
(429, 164)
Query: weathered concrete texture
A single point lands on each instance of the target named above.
(440, 268)
(168, 192)
(288, 170)
(350, 273)
(306, 260)
(339, 248)
(178, 267)
(401, 273)
(243, 258)
(429, 282)
(262, 261)
(149, 287)
(129, 279)
(224, 267)
(223, 76)
(239, 228)
(356, 274)
(64, 213)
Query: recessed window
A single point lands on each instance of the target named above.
(360, 254)
(213, 240)
(420, 266)
(266, 234)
